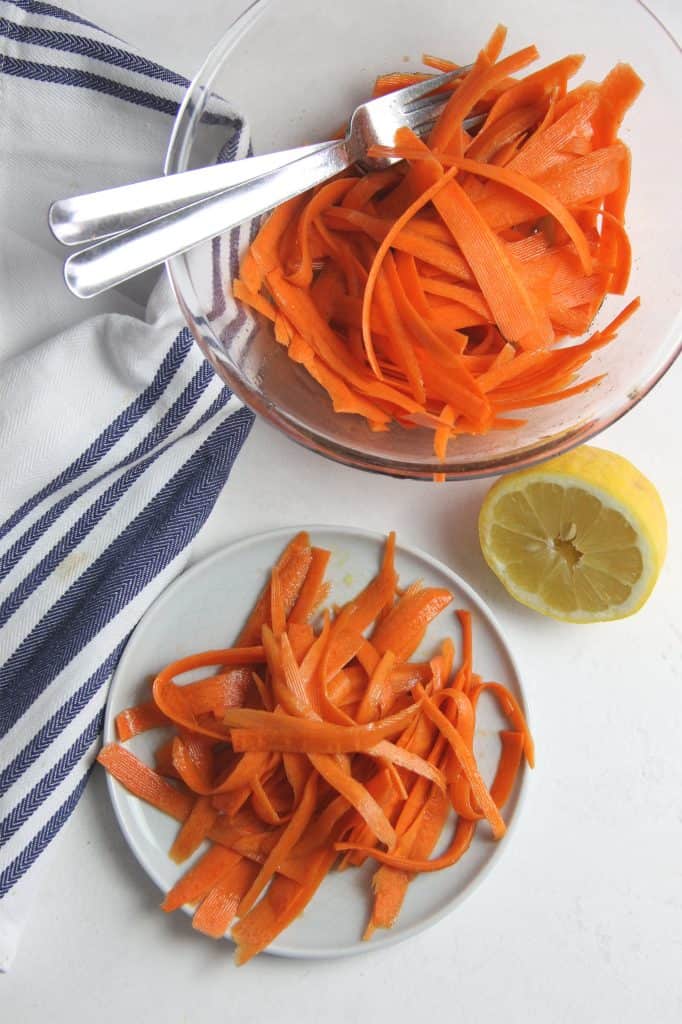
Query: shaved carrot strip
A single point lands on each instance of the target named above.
(507, 769)
(327, 345)
(513, 712)
(443, 434)
(296, 770)
(293, 565)
(218, 692)
(253, 299)
(301, 637)
(484, 75)
(292, 675)
(491, 139)
(308, 597)
(401, 343)
(379, 694)
(292, 833)
(311, 661)
(343, 398)
(376, 228)
(617, 93)
(262, 804)
(145, 783)
(388, 239)
(327, 195)
(461, 841)
(518, 318)
(411, 283)
(467, 763)
(614, 244)
(578, 181)
(403, 628)
(263, 730)
(439, 63)
(534, 86)
(219, 906)
(493, 47)
(463, 678)
(200, 878)
(609, 332)
(242, 774)
(194, 830)
(346, 633)
(278, 616)
(431, 345)
(430, 243)
(265, 245)
(231, 803)
(467, 296)
(402, 758)
(357, 795)
(511, 179)
(365, 189)
(395, 80)
(549, 398)
(132, 721)
(322, 828)
(389, 884)
(537, 156)
(255, 847)
(283, 902)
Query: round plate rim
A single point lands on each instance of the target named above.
(118, 794)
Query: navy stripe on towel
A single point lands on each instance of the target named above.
(66, 42)
(30, 803)
(50, 11)
(161, 430)
(77, 78)
(20, 865)
(92, 517)
(87, 80)
(152, 540)
(171, 363)
(55, 725)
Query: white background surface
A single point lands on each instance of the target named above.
(582, 919)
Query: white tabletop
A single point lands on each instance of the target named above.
(582, 919)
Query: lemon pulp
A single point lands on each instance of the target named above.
(580, 538)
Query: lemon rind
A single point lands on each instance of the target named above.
(650, 562)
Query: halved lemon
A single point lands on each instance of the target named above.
(581, 538)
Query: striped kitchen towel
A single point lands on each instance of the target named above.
(116, 436)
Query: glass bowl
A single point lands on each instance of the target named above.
(295, 69)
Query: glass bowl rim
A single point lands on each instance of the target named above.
(188, 116)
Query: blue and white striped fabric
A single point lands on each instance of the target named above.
(115, 434)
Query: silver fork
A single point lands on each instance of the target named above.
(96, 215)
(126, 254)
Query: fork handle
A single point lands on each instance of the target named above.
(115, 260)
(96, 215)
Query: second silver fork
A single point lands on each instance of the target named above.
(116, 259)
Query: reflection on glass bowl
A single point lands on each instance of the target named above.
(295, 69)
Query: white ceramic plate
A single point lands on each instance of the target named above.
(204, 609)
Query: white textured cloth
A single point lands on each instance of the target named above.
(115, 434)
